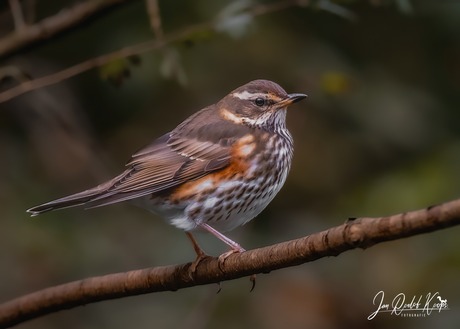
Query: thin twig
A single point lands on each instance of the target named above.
(355, 233)
(29, 10)
(18, 17)
(153, 10)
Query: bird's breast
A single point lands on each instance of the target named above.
(234, 195)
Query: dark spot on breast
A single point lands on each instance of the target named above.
(221, 195)
(229, 198)
(217, 210)
(195, 212)
(250, 189)
(240, 206)
(240, 194)
(249, 201)
(264, 195)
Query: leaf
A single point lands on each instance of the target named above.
(115, 71)
(233, 19)
(336, 9)
(335, 83)
(171, 66)
(405, 6)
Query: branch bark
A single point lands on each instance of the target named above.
(355, 233)
(52, 25)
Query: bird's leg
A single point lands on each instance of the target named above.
(200, 254)
(236, 248)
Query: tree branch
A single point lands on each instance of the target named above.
(92, 63)
(355, 233)
(137, 49)
(50, 26)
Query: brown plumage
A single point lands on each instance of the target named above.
(217, 169)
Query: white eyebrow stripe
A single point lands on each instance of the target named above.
(246, 95)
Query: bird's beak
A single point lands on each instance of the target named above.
(291, 99)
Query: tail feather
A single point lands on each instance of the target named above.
(95, 197)
(73, 200)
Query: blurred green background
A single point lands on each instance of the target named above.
(378, 135)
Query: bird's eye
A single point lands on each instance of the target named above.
(259, 101)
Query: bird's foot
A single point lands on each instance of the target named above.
(236, 248)
(200, 255)
(225, 255)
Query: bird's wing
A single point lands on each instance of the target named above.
(168, 162)
(188, 152)
(177, 157)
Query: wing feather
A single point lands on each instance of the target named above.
(173, 159)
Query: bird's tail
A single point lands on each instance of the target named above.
(73, 200)
(100, 195)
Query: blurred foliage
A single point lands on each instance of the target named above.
(379, 134)
(117, 71)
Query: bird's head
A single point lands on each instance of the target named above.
(259, 103)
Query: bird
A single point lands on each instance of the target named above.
(215, 171)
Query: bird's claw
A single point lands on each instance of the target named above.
(225, 255)
(252, 278)
(193, 266)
